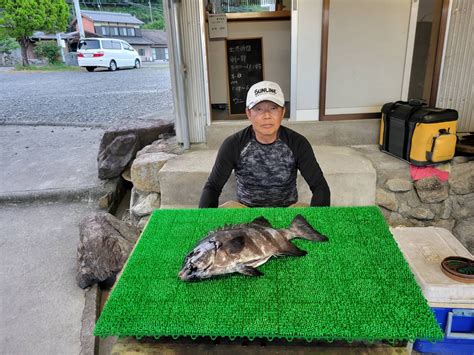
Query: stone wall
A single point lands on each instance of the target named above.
(429, 201)
(145, 196)
(426, 202)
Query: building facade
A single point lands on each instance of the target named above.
(334, 59)
(150, 44)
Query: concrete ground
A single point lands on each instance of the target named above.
(49, 183)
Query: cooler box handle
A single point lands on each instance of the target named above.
(458, 313)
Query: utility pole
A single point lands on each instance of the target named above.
(149, 5)
(60, 45)
(77, 9)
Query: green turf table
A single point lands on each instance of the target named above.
(355, 287)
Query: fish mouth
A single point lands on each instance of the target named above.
(182, 275)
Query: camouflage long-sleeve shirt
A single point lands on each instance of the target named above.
(266, 173)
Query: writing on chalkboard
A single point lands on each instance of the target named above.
(245, 68)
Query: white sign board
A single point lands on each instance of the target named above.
(217, 25)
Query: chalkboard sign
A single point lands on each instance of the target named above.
(244, 68)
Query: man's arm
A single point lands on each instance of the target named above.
(311, 172)
(223, 166)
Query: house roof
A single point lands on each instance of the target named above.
(39, 35)
(116, 17)
(156, 36)
(135, 40)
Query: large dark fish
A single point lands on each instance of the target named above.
(243, 247)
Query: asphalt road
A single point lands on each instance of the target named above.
(83, 98)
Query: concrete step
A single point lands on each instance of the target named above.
(335, 133)
(350, 175)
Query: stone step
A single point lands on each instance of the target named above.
(350, 175)
(334, 133)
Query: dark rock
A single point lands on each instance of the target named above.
(120, 144)
(399, 185)
(446, 208)
(395, 220)
(464, 231)
(386, 199)
(114, 158)
(104, 245)
(412, 198)
(422, 213)
(461, 179)
(431, 190)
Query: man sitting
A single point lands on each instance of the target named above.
(265, 158)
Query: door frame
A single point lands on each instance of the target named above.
(371, 115)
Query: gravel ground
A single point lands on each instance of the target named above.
(81, 98)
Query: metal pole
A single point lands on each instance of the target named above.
(77, 9)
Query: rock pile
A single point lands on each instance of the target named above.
(144, 176)
(431, 202)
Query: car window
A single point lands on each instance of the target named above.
(127, 46)
(107, 44)
(116, 45)
(89, 44)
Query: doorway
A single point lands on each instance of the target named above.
(253, 44)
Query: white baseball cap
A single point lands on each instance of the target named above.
(265, 91)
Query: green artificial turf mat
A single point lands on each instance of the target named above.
(357, 286)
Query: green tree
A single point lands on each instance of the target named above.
(48, 50)
(7, 45)
(155, 25)
(20, 18)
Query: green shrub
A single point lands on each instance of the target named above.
(48, 50)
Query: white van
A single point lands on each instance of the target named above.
(108, 53)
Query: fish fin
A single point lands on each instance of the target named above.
(235, 245)
(249, 271)
(262, 221)
(293, 250)
(302, 229)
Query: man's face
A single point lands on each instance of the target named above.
(266, 118)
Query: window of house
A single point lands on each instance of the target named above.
(141, 52)
(123, 31)
(131, 31)
(105, 31)
(115, 31)
(222, 6)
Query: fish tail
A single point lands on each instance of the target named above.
(300, 228)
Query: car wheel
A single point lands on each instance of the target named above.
(90, 68)
(137, 64)
(112, 65)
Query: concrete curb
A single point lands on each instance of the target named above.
(111, 189)
(89, 343)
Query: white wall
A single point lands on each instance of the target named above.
(306, 47)
(366, 53)
(276, 55)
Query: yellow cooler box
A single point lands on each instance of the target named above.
(417, 133)
(452, 301)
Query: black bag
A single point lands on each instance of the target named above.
(417, 133)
